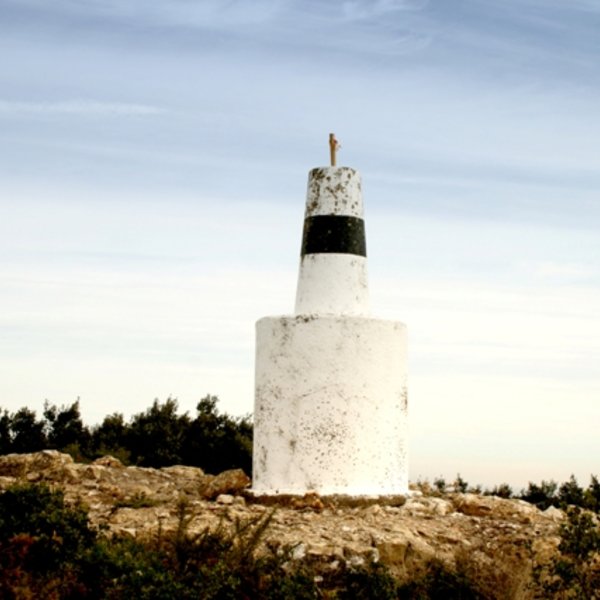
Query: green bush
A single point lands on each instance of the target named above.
(502, 491)
(370, 582)
(42, 541)
(440, 485)
(66, 431)
(157, 437)
(575, 572)
(59, 532)
(48, 550)
(27, 434)
(591, 496)
(460, 485)
(217, 442)
(543, 495)
(436, 581)
(570, 493)
(154, 437)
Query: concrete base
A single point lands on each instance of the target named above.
(331, 406)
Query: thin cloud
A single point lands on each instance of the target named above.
(368, 9)
(356, 27)
(566, 272)
(210, 13)
(78, 107)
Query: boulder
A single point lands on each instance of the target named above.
(19, 465)
(475, 505)
(233, 481)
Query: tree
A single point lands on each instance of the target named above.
(66, 430)
(110, 437)
(502, 491)
(155, 437)
(27, 432)
(543, 495)
(570, 493)
(460, 485)
(591, 496)
(217, 442)
(574, 573)
(5, 436)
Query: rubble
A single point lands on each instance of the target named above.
(400, 532)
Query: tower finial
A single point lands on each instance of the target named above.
(334, 146)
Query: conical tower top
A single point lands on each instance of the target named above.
(333, 264)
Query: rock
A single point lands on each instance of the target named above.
(310, 500)
(128, 531)
(438, 506)
(553, 513)
(298, 552)
(233, 481)
(109, 461)
(184, 471)
(225, 499)
(356, 561)
(427, 506)
(92, 472)
(373, 510)
(403, 534)
(475, 505)
(18, 465)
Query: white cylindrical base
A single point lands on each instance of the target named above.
(331, 406)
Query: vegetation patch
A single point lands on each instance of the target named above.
(157, 437)
(49, 550)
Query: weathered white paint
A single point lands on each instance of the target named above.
(334, 191)
(333, 283)
(330, 412)
(331, 402)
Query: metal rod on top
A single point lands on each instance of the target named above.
(334, 146)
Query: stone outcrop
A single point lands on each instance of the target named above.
(499, 534)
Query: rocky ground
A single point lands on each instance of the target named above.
(500, 538)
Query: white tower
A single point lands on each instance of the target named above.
(330, 411)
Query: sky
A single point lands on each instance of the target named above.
(153, 167)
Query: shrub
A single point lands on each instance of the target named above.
(436, 581)
(575, 572)
(502, 491)
(591, 496)
(41, 542)
(27, 433)
(370, 582)
(570, 493)
(460, 485)
(217, 442)
(110, 437)
(5, 435)
(543, 495)
(155, 437)
(59, 532)
(66, 431)
(440, 484)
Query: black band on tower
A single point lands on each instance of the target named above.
(334, 234)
